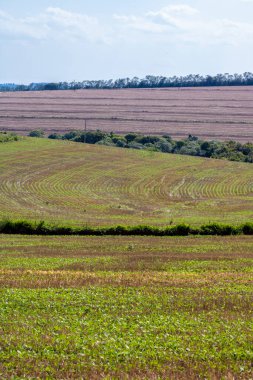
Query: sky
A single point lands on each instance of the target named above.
(66, 40)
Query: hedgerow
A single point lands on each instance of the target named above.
(191, 146)
(24, 227)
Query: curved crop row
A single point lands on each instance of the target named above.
(102, 185)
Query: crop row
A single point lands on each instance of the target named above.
(66, 182)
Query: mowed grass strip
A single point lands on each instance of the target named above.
(81, 184)
(126, 307)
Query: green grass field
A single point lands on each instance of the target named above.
(84, 184)
(126, 307)
(118, 307)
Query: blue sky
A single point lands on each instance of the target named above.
(65, 40)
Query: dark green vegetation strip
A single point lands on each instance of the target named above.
(33, 228)
(192, 146)
(126, 307)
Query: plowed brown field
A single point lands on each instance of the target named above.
(212, 113)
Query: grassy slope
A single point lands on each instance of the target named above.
(79, 184)
(126, 307)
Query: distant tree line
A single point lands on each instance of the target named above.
(192, 146)
(150, 81)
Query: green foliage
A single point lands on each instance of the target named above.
(136, 145)
(247, 229)
(131, 137)
(93, 137)
(7, 137)
(55, 136)
(25, 227)
(192, 146)
(125, 307)
(220, 229)
(37, 133)
(164, 146)
(147, 139)
(107, 141)
(72, 136)
(115, 332)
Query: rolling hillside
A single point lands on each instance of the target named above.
(96, 185)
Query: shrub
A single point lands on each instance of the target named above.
(7, 137)
(130, 137)
(37, 133)
(134, 145)
(247, 229)
(72, 135)
(55, 136)
(93, 137)
(180, 230)
(121, 144)
(164, 147)
(106, 141)
(192, 146)
(219, 229)
(147, 139)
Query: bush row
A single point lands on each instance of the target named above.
(192, 146)
(25, 227)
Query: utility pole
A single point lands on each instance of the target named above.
(85, 125)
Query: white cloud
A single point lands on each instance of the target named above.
(186, 24)
(173, 12)
(176, 16)
(11, 27)
(53, 23)
(74, 24)
(158, 22)
(173, 23)
(140, 23)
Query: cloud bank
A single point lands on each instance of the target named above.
(184, 23)
(179, 23)
(53, 23)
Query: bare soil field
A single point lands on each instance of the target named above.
(220, 113)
